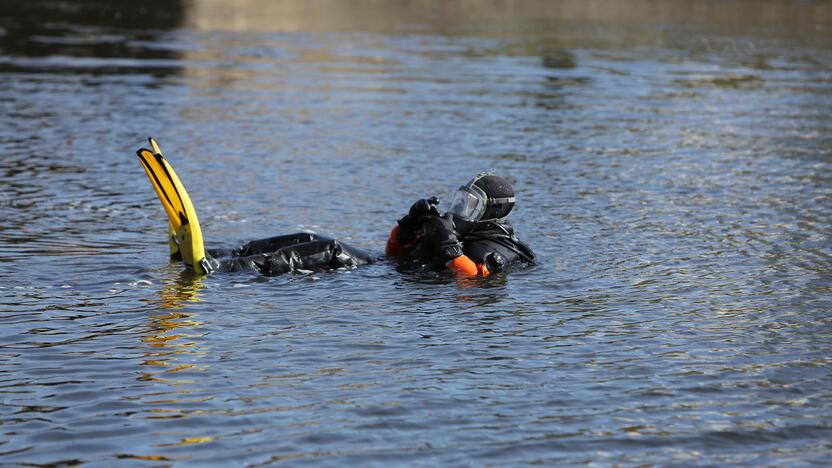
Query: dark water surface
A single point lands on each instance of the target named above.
(673, 162)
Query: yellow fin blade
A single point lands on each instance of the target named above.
(162, 184)
(155, 146)
(177, 205)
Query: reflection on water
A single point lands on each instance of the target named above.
(168, 335)
(174, 295)
(672, 164)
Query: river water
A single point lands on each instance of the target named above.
(673, 164)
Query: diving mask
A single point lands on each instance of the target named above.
(469, 202)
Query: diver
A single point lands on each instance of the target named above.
(472, 238)
(298, 252)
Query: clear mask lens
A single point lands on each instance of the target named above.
(467, 205)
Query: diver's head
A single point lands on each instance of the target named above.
(486, 197)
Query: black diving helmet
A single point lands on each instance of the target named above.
(486, 197)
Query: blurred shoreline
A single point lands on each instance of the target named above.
(795, 17)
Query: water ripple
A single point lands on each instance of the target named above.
(673, 175)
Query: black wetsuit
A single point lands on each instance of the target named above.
(490, 245)
(293, 252)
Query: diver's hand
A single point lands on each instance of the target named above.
(424, 207)
(440, 233)
(411, 224)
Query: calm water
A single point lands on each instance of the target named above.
(673, 163)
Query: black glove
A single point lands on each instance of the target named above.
(440, 237)
(495, 262)
(412, 223)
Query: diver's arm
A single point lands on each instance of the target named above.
(441, 237)
(492, 259)
(394, 247)
(405, 234)
(461, 265)
(464, 266)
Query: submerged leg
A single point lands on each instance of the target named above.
(273, 244)
(265, 246)
(320, 254)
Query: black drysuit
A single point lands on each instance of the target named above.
(293, 252)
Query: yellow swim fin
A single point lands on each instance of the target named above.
(186, 236)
